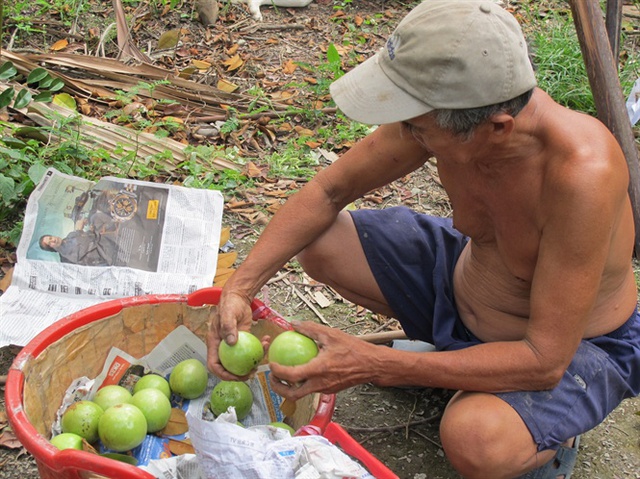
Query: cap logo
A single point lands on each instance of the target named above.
(392, 45)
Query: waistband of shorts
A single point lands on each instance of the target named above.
(622, 330)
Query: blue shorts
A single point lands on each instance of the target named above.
(412, 257)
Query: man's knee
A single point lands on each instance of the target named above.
(481, 441)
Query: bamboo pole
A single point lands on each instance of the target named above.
(607, 92)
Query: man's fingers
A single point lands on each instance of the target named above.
(309, 328)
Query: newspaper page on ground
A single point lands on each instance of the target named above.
(85, 242)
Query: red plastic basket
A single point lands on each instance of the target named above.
(72, 464)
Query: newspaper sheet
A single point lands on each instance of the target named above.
(85, 242)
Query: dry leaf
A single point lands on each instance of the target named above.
(226, 260)
(9, 440)
(225, 235)
(233, 63)
(252, 170)
(233, 49)
(288, 408)
(201, 65)
(289, 67)
(181, 447)
(304, 131)
(187, 72)
(59, 45)
(281, 95)
(358, 20)
(177, 423)
(221, 278)
(169, 39)
(226, 86)
(273, 207)
(6, 281)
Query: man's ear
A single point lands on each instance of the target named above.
(502, 124)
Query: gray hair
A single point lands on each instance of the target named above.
(463, 123)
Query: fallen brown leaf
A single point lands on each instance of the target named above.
(9, 440)
(226, 260)
(59, 45)
(177, 423)
(181, 447)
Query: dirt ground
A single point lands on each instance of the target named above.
(398, 426)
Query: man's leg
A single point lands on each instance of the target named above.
(337, 259)
(484, 437)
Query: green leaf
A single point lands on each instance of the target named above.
(56, 85)
(23, 98)
(45, 82)
(6, 97)
(333, 57)
(7, 70)
(7, 189)
(36, 172)
(66, 100)
(32, 132)
(44, 96)
(36, 75)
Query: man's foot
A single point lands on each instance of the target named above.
(560, 467)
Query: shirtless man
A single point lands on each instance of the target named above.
(527, 293)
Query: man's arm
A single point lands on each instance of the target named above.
(381, 157)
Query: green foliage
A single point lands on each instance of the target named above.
(39, 79)
(202, 173)
(295, 160)
(558, 60)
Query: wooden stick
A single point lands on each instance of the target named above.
(614, 24)
(382, 337)
(607, 92)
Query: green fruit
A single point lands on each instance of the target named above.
(241, 358)
(155, 406)
(189, 379)
(82, 418)
(291, 348)
(231, 393)
(67, 440)
(111, 395)
(153, 381)
(283, 425)
(122, 427)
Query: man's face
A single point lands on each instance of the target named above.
(440, 142)
(52, 242)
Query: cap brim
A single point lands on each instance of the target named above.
(367, 95)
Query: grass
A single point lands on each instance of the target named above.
(557, 57)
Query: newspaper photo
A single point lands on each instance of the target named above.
(87, 242)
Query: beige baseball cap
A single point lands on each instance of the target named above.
(451, 54)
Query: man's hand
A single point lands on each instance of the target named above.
(232, 314)
(343, 361)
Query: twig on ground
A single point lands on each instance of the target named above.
(385, 325)
(395, 427)
(427, 438)
(308, 302)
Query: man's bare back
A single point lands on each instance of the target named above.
(494, 273)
